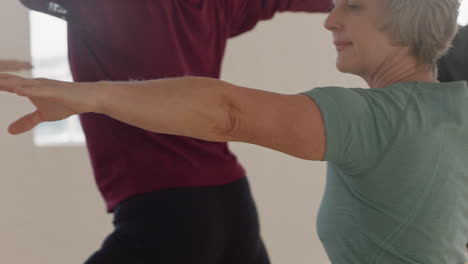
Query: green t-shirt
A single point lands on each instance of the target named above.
(397, 183)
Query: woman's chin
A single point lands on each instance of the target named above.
(342, 68)
(350, 68)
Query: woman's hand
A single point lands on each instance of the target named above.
(14, 65)
(54, 100)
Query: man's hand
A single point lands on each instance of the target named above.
(14, 65)
(54, 100)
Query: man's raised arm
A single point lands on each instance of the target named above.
(243, 15)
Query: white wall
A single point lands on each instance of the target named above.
(51, 211)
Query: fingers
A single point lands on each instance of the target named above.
(8, 76)
(9, 82)
(25, 123)
(30, 91)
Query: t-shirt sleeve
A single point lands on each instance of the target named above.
(356, 127)
(57, 8)
(243, 15)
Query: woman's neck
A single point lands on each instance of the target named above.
(399, 68)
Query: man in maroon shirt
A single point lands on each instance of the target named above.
(175, 199)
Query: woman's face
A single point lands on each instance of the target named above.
(361, 43)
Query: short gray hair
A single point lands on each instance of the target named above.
(426, 26)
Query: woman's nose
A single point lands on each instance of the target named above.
(332, 22)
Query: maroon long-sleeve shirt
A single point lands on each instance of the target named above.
(122, 40)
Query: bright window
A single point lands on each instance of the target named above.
(463, 18)
(50, 60)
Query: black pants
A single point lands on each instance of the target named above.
(208, 225)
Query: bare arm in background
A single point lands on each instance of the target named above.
(14, 65)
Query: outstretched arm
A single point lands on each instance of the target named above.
(14, 65)
(202, 108)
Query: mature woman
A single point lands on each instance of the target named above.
(397, 178)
